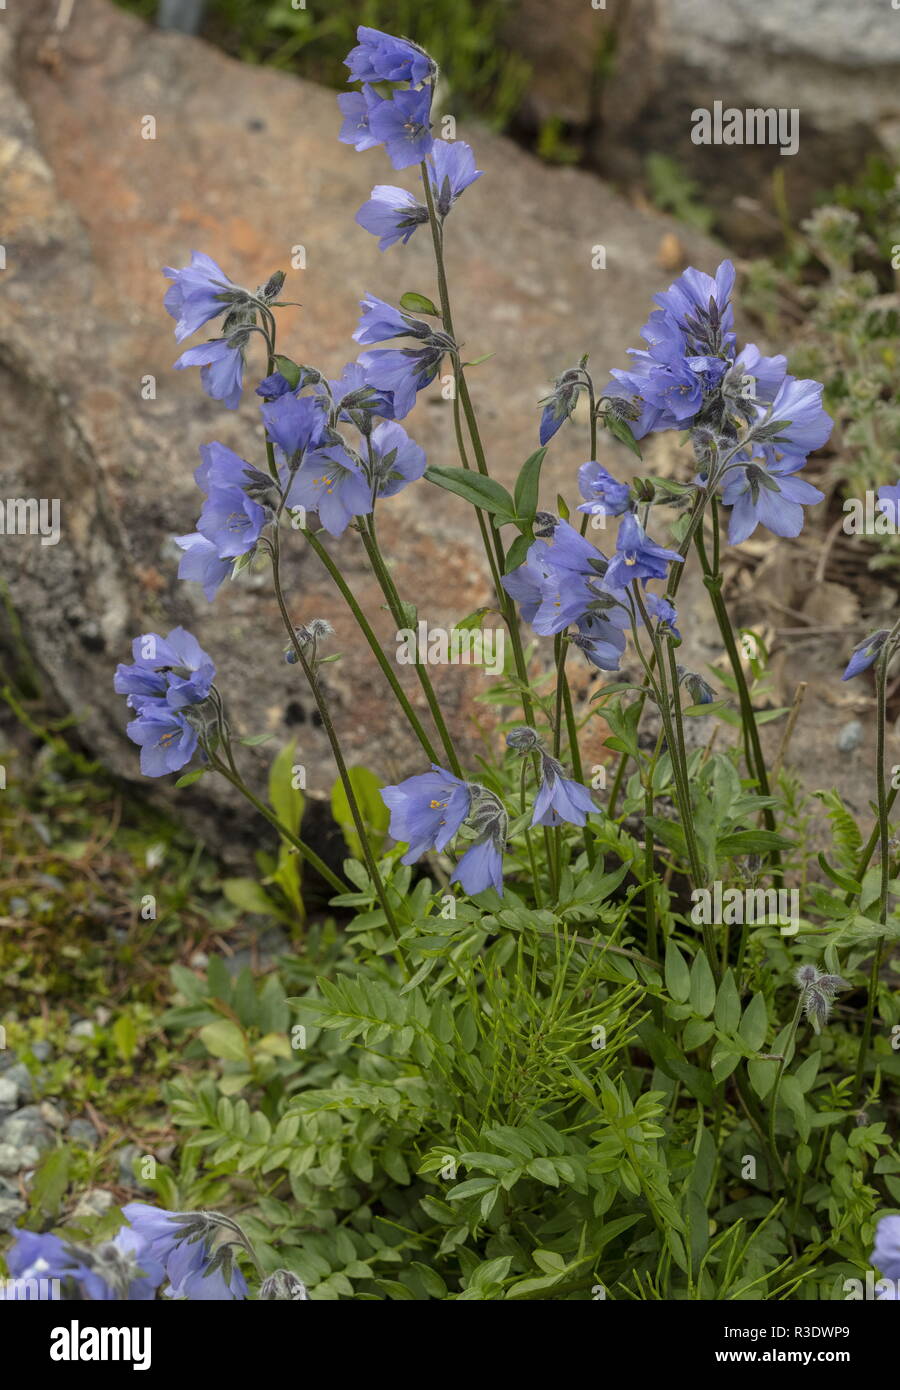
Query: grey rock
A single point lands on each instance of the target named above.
(22, 1077)
(95, 1202)
(82, 1132)
(27, 1127)
(16, 1157)
(42, 1050)
(850, 737)
(837, 64)
(84, 1028)
(12, 1209)
(126, 1158)
(9, 1094)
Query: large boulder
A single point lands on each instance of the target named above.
(245, 164)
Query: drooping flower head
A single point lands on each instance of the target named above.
(560, 403)
(380, 57)
(396, 460)
(221, 363)
(169, 675)
(865, 654)
(427, 810)
(199, 292)
(603, 494)
(451, 170)
(392, 214)
(194, 1250)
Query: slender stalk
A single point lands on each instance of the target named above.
(490, 533)
(884, 842)
(386, 583)
(795, 1023)
(538, 896)
(328, 726)
(756, 762)
(374, 644)
(302, 849)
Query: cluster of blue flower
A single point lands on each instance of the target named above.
(751, 424)
(154, 1246)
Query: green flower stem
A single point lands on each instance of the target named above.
(756, 762)
(231, 775)
(535, 879)
(328, 726)
(388, 588)
(489, 531)
(884, 844)
(375, 646)
(795, 1023)
(866, 856)
(675, 574)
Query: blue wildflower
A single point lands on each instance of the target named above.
(698, 306)
(202, 564)
(403, 372)
(768, 495)
(396, 459)
(332, 483)
(182, 1242)
(229, 518)
(637, 557)
(356, 109)
(353, 398)
(427, 810)
(560, 798)
(481, 867)
(560, 403)
(794, 424)
(603, 495)
(889, 503)
(381, 321)
(271, 387)
(167, 740)
(451, 170)
(662, 610)
(886, 1255)
(200, 292)
(865, 654)
(380, 57)
(601, 639)
(392, 214)
(294, 423)
(188, 671)
(403, 126)
(221, 363)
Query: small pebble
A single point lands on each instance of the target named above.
(850, 737)
(15, 1157)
